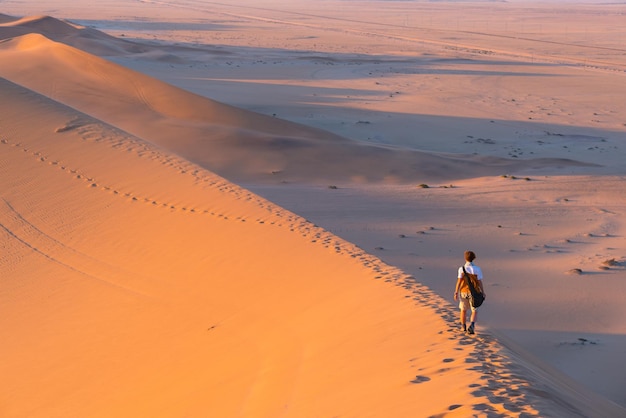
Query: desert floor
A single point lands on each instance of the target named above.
(514, 114)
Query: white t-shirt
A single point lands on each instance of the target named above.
(471, 269)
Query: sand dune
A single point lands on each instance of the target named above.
(84, 38)
(136, 281)
(235, 143)
(240, 309)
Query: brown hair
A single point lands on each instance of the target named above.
(470, 256)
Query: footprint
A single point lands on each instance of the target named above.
(420, 379)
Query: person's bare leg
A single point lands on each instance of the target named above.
(473, 316)
(470, 329)
(463, 318)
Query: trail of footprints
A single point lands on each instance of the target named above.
(500, 384)
(505, 388)
(277, 216)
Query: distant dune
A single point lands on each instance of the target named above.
(238, 144)
(84, 38)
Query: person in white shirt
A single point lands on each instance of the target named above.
(462, 293)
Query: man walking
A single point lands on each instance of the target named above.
(462, 292)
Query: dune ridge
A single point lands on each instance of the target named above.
(81, 37)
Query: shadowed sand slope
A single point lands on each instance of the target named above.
(238, 144)
(135, 283)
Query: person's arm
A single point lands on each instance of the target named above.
(482, 289)
(457, 287)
